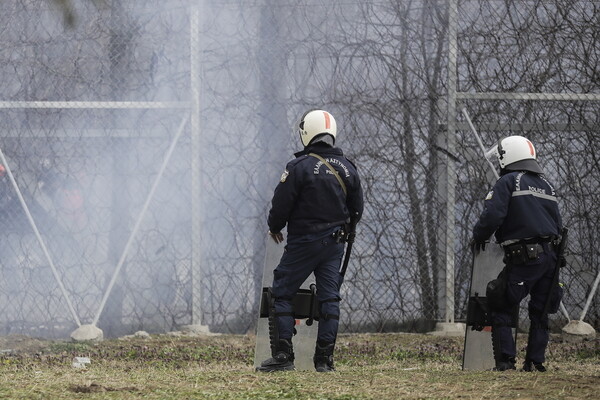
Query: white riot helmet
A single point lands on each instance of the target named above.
(516, 153)
(316, 124)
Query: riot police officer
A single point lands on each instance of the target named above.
(318, 193)
(523, 212)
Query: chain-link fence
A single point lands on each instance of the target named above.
(528, 68)
(147, 138)
(88, 119)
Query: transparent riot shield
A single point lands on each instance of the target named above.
(306, 336)
(478, 353)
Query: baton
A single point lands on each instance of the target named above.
(350, 241)
(559, 264)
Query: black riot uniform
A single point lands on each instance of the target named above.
(522, 209)
(310, 200)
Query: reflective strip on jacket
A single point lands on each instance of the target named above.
(521, 205)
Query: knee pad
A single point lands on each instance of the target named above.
(324, 315)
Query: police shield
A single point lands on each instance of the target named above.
(478, 353)
(305, 308)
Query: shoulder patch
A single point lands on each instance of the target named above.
(489, 195)
(284, 176)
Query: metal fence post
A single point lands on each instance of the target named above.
(448, 327)
(196, 262)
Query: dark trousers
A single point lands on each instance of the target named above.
(533, 278)
(323, 257)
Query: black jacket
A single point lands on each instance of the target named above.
(521, 205)
(309, 198)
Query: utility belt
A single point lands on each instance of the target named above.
(521, 253)
(341, 235)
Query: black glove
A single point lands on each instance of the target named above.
(277, 237)
(563, 262)
(477, 246)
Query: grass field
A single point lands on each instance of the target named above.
(369, 366)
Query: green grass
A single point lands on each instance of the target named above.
(376, 366)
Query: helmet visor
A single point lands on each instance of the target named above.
(492, 153)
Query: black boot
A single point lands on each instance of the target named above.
(529, 366)
(282, 360)
(536, 347)
(323, 358)
(504, 362)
